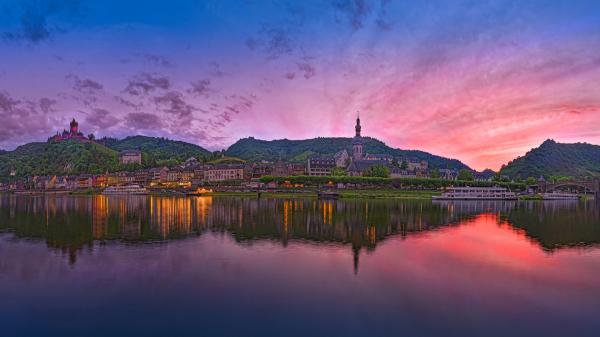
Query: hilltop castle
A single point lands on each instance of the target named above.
(73, 133)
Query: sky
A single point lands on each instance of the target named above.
(480, 81)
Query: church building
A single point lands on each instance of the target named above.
(362, 161)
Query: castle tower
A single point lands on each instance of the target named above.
(74, 127)
(357, 142)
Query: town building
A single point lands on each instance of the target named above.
(448, 174)
(320, 166)
(73, 133)
(280, 169)
(141, 177)
(260, 170)
(379, 157)
(358, 167)
(416, 165)
(296, 169)
(283, 169)
(180, 176)
(396, 172)
(191, 162)
(223, 172)
(158, 175)
(125, 178)
(100, 181)
(485, 175)
(71, 182)
(130, 157)
(85, 181)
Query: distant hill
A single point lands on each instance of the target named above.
(252, 149)
(556, 159)
(75, 157)
(157, 150)
(68, 157)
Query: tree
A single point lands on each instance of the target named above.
(377, 171)
(435, 173)
(404, 165)
(338, 172)
(466, 175)
(500, 178)
(91, 137)
(531, 181)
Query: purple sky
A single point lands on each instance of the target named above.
(481, 81)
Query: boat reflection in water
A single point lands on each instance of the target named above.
(188, 266)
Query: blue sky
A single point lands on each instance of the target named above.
(491, 78)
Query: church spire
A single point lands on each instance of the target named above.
(357, 142)
(357, 128)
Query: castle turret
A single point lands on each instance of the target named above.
(74, 127)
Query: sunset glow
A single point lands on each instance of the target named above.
(479, 81)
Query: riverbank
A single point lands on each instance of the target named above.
(342, 194)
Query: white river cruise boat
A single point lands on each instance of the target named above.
(477, 193)
(125, 190)
(559, 196)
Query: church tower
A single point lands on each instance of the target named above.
(357, 142)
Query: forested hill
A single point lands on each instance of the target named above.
(157, 149)
(554, 159)
(76, 157)
(299, 150)
(67, 157)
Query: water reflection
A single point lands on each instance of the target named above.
(253, 267)
(70, 223)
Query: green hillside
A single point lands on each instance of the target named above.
(158, 150)
(68, 157)
(76, 157)
(553, 159)
(252, 149)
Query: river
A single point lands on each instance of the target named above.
(208, 266)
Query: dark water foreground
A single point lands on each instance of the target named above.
(110, 266)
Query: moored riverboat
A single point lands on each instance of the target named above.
(125, 190)
(328, 195)
(477, 193)
(559, 196)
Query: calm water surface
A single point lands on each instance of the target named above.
(162, 266)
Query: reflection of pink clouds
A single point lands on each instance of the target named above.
(485, 264)
(485, 248)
